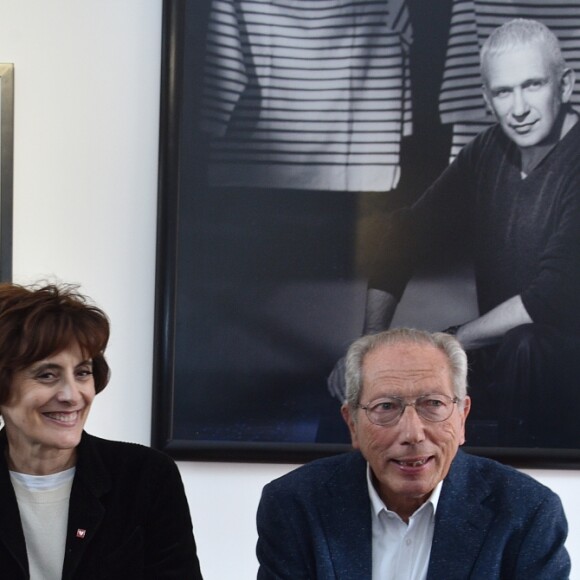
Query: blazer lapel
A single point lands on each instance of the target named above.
(461, 522)
(346, 519)
(86, 511)
(11, 533)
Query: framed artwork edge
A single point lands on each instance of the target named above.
(6, 168)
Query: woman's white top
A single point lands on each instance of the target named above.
(43, 504)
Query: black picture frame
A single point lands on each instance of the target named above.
(205, 402)
(6, 168)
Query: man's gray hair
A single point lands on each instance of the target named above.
(522, 32)
(446, 343)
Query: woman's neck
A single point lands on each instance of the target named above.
(40, 463)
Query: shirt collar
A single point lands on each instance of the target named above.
(378, 505)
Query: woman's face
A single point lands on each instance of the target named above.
(48, 407)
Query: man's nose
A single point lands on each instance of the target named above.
(412, 426)
(520, 106)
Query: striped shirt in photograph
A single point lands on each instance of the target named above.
(307, 94)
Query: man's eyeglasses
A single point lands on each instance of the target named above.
(388, 410)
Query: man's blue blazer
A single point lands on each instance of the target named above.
(491, 522)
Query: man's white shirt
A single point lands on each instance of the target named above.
(401, 551)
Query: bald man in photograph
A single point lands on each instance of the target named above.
(514, 194)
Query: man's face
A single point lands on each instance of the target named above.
(525, 93)
(408, 459)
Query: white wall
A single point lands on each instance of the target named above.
(87, 97)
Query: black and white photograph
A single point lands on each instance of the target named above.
(332, 168)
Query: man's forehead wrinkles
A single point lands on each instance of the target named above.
(511, 84)
(400, 375)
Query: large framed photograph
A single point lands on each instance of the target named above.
(6, 168)
(293, 136)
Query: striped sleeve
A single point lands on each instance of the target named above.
(225, 75)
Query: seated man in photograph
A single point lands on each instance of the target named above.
(513, 193)
(408, 503)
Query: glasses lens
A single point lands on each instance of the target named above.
(430, 407)
(385, 411)
(434, 407)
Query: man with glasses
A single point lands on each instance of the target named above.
(407, 503)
